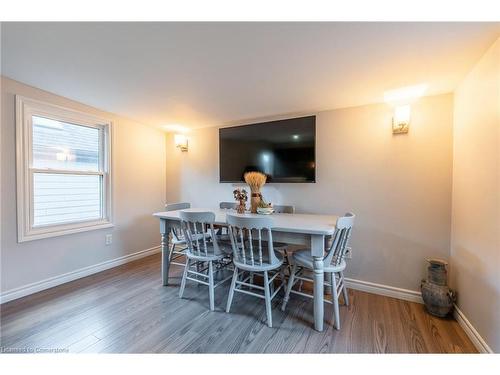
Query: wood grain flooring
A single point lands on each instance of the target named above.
(126, 310)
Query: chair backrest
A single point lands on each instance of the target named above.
(199, 233)
(248, 236)
(284, 209)
(227, 205)
(177, 206)
(176, 233)
(340, 239)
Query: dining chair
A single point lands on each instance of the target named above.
(177, 237)
(281, 246)
(203, 251)
(227, 205)
(253, 252)
(222, 234)
(333, 265)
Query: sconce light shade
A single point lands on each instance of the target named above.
(401, 119)
(181, 142)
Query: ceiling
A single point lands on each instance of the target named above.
(206, 74)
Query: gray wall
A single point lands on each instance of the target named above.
(139, 189)
(475, 242)
(399, 186)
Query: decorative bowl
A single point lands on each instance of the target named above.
(265, 210)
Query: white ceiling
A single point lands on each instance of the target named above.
(203, 74)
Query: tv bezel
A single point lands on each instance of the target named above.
(313, 181)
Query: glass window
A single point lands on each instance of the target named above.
(64, 171)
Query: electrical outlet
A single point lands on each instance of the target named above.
(348, 253)
(109, 239)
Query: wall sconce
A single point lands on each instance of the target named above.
(401, 119)
(181, 142)
(401, 99)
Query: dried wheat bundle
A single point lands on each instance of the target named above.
(255, 180)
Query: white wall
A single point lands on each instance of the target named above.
(399, 186)
(475, 243)
(139, 190)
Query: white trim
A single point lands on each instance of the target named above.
(74, 275)
(471, 332)
(25, 109)
(384, 290)
(38, 233)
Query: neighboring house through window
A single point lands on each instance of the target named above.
(63, 170)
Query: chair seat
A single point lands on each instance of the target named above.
(303, 258)
(257, 267)
(205, 258)
(278, 246)
(223, 238)
(178, 241)
(182, 240)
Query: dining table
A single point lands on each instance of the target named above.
(309, 230)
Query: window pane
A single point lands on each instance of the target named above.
(65, 198)
(61, 145)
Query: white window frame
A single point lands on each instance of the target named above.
(26, 108)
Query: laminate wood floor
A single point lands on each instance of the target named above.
(126, 310)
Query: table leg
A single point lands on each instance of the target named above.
(318, 293)
(165, 251)
(317, 251)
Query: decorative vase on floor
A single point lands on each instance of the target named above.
(255, 180)
(438, 298)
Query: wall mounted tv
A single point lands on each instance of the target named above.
(284, 150)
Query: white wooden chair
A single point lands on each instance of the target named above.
(227, 205)
(249, 235)
(333, 264)
(203, 251)
(222, 233)
(177, 237)
(281, 246)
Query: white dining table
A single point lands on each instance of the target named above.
(300, 229)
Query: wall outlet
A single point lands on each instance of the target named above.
(109, 239)
(348, 253)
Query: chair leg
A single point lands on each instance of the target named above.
(271, 287)
(268, 300)
(172, 252)
(231, 290)
(344, 289)
(289, 287)
(328, 277)
(287, 262)
(211, 285)
(335, 301)
(184, 276)
(283, 280)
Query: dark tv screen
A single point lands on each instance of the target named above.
(284, 150)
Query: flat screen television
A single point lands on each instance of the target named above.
(284, 150)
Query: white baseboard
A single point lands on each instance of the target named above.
(473, 334)
(73, 275)
(384, 290)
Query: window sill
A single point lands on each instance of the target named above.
(41, 233)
